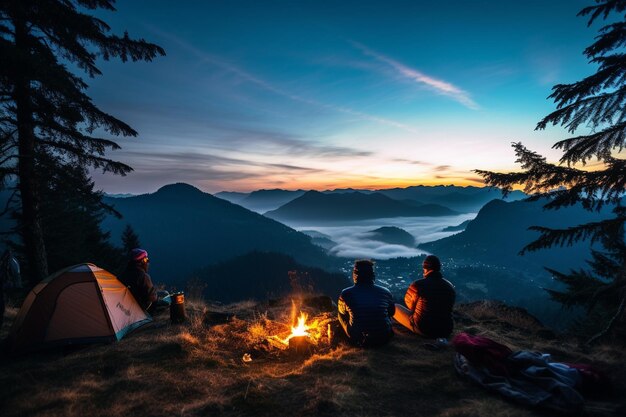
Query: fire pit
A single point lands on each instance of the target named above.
(306, 335)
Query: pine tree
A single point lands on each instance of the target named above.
(596, 105)
(130, 240)
(71, 214)
(44, 107)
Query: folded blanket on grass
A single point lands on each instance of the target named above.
(529, 378)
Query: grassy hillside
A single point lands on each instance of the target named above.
(196, 369)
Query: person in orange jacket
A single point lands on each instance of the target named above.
(429, 302)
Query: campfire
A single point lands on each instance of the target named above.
(300, 330)
(305, 334)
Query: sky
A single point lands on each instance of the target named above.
(333, 94)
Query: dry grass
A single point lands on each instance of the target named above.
(197, 370)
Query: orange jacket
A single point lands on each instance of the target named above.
(431, 300)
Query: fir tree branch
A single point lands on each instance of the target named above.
(592, 231)
(107, 165)
(8, 158)
(562, 185)
(577, 102)
(612, 322)
(603, 10)
(612, 37)
(7, 206)
(583, 148)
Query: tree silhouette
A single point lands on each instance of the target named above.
(130, 240)
(595, 105)
(71, 213)
(44, 107)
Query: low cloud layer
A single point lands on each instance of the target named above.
(353, 241)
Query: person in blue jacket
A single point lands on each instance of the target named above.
(366, 309)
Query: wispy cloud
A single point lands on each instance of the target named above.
(410, 161)
(439, 86)
(218, 133)
(209, 171)
(476, 180)
(203, 164)
(276, 142)
(295, 97)
(244, 75)
(546, 67)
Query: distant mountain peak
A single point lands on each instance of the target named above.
(318, 206)
(179, 188)
(393, 235)
(270, 190)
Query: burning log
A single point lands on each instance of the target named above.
(305, 337)
(300, 345)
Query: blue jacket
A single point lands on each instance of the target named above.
(367, 310)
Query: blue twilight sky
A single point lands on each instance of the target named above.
(327, 94)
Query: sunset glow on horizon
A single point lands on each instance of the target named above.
(324, 95)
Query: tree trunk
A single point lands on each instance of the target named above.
(30, 227)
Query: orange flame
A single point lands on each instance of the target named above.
(300, 329)
(314, 331)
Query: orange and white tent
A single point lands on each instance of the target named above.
(79, 304)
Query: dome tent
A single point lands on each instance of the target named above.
(79, 304)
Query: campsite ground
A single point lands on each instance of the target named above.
(196, 369)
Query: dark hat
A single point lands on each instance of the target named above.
(432, 263)
(363, 271)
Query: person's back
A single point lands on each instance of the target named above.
(365, 309)
(433, 306)
(136, 278)
(429, 303)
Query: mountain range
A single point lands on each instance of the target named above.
(500, 231)
(232, 196)
(261, 200)
(462, 199)
(265, 200)
(184, 229)
(328, 207)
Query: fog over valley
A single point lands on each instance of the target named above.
(352, 239)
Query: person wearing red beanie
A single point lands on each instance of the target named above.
(136, 278)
